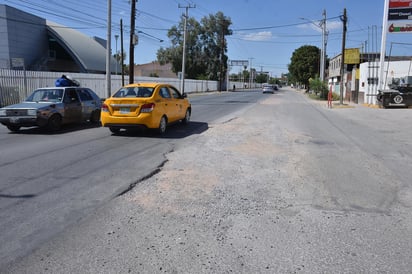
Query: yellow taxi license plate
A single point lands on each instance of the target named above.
(124, 110)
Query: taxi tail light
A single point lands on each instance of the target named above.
(147, 108)
(105, 108)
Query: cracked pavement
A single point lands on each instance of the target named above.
(243, 197)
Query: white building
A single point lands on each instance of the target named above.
(369, 75)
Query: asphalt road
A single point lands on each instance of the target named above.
(283, 186)
(52, 181)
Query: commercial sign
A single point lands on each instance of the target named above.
(17, 63)
(352, 56)
(405, 28)
(243, 63)
(400, 10)
(400, 14)
(400, 4)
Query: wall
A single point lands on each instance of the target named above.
(370, 71)
(16, 85)
(4, 41)
(335, 66)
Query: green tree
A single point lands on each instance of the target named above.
(118, 56)
(206, 47)
(234, 77)
(305, 64)
(214, 30)
(173, 54)
(245, 74)
(262, 78)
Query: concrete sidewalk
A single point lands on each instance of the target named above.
(337, 104)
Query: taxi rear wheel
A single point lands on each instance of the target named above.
(186, 120)
(114, 129)
(162, 125)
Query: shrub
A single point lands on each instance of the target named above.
(319, 87)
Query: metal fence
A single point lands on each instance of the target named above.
(16, 85)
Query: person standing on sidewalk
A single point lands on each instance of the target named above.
(330, 97)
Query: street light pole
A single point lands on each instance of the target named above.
(322, 26)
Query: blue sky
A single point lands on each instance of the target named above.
(265, 32)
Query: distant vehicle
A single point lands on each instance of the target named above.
(268, 88)
(145, 105)
(52, 107)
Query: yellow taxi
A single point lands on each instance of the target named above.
(147, 105)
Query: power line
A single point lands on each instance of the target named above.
(278, 26)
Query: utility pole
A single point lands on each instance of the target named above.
(121, 48)
(132, 41)
(182, 85)
(323, 57)
(322, 26)
(116, 37)
(342, 64)
(108, 48)
(251, 73)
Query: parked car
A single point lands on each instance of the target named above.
(52, 107)
(145, 105)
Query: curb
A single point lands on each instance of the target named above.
(338, 105)
(370, 105)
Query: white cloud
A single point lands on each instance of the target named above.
(332, 25)
(311, 25)
(315, 25)
(258, 36)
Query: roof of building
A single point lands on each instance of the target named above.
(89, 53)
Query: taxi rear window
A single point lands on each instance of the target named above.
(134, 92)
